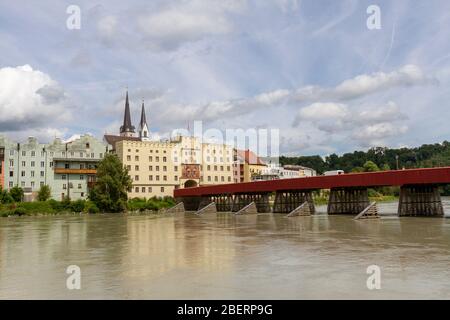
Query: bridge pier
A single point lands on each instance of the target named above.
(190, 203)
(261, 200)
(348, 201)
(287, 201)
(420, 200)
(224, 202)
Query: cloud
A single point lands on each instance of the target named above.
(365, 84)
(30, 99)
(187, 21)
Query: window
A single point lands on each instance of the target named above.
(128, 158)
(81, 154)
(216, 179)
(165, 178)
(63, 177)
(164, 168)
(42, 153)
(10, 184)
(136, 178)
(157, 168)
(72, 154)
(33, 153)
(51, 164)
(92, 155)
(81, 166)
(22, 174)
(150, 158)
(42, 164)
(24, 153)
(229, 179)
(66, 166)
(150, 168)
(81, 177)
(222, 178)
(32, 184)
(221, 168)
(209, 178)
(136, 189)
(136, 168)
(42, 173)
(11, 173)
(23, 163)
(137, 150)
(150, 178)
(136, 158)
(162, 189)
(164, 159)
(149, 189)
(82, 194)
(79, 186)
(228, 168)
(64, 186)
(175, 168)
(143, 189)
(32, 174)
(209, 167)
(215, 168)
(71, 185)
(11, 163)
(157, 178)
(175, 178)
(11, 152)
(129, 168)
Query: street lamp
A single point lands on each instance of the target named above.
(396, 160)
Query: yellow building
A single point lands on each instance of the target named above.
(158, 167)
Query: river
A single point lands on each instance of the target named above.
(183, 256)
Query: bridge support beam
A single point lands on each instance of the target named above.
(287, 201)
(348, 201)
(224, 202)
(242, 200)
(420, 200)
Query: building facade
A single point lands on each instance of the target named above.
(69, 168)
(159, 167)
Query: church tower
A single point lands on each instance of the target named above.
(144, 133)
(127, 130)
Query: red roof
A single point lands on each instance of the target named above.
(250, 157)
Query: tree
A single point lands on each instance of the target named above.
(5, 197)
(113, 182)
(370, 166)
(16, 193)
(44, 193)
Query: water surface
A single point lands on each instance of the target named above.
(183, 256)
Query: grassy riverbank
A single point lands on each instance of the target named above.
(67, 207)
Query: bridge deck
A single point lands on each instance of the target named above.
(369, 179)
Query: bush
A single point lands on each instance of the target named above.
(36, 207)
(77, 206)
(17, 194)
(19, 211)
(44, 193)
(90, 207)
(137, 204)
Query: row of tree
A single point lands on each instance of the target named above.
(425, 156)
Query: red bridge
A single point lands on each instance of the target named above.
(419, 194)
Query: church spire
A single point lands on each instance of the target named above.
(143, 127)
(127, 129)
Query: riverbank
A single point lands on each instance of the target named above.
(67, 207)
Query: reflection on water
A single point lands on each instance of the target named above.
(223, 256)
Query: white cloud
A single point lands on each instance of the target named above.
(366, 84)
(187, 21)
(30, 99)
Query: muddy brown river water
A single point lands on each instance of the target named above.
(183, 256)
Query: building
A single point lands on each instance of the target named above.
(158, 167)
(68, 168)
(274, 172)
(247, 165)
(303, 171)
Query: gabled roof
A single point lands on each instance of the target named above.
(250, 157)
(113, 139)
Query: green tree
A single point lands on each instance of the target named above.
(16, 193)
(44, 193)
(370, 166)
(113, 182)
(5, 197)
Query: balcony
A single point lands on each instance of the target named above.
(75, 171)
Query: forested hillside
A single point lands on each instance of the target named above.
(427, 155)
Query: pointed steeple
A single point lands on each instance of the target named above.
(127, 129)
(143, 127)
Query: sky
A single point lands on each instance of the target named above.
(311, 69)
